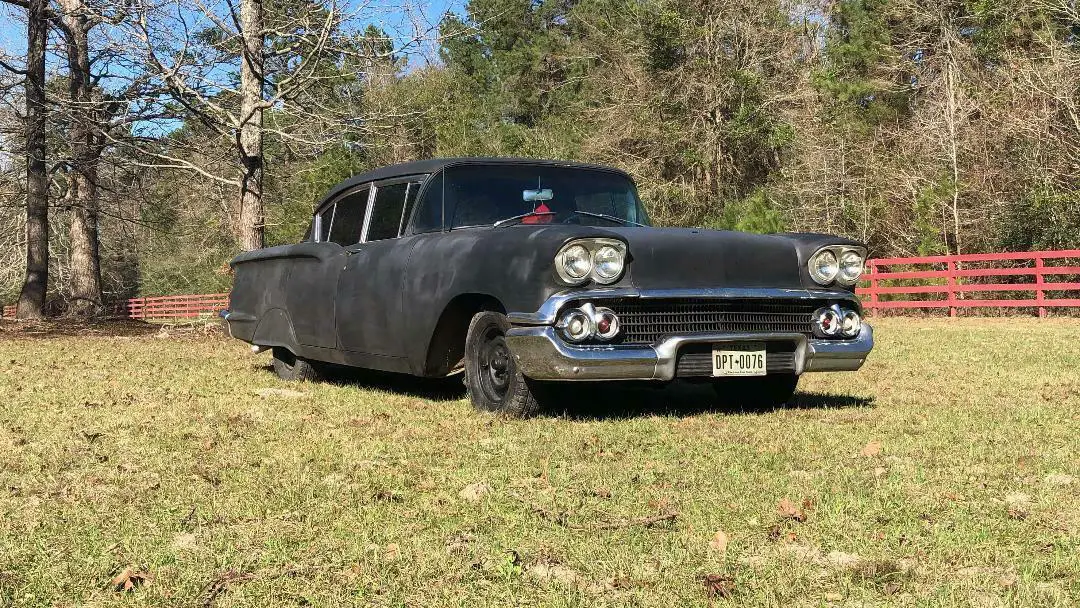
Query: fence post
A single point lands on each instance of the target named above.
(1039, 280)
(871, 271)
(951, 267)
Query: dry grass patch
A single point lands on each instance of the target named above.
(180, 471)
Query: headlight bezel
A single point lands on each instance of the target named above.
(592, 247)
(838, 252)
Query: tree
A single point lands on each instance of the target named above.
(31, 303)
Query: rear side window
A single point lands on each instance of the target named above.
(348, 218)
(428, 214)
(386, 216)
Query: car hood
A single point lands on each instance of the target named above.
(688, 258)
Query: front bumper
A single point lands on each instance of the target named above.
(542, 354)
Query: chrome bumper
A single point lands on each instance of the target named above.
(543, 355)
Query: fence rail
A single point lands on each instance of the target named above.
(160, 308)
(930, 282)
(1053, 285)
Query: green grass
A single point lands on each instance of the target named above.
(158, 453)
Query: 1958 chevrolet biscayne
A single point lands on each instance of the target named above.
(523, 273)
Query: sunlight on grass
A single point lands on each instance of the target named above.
(166, 456)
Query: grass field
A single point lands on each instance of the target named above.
(946, 473)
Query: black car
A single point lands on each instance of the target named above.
(526, 272)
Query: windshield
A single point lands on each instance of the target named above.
(481, 195)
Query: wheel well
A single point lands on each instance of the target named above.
(447, 347)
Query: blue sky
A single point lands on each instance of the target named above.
(13, 27)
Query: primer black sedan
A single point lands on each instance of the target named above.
(524, 273)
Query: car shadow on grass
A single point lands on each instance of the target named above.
(614, 401)
(450, 388)
(587, 401)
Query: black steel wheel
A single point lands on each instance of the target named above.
(492, 376)
(292, 368)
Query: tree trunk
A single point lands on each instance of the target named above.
(32, 298)
(84, 297)
(249, 217)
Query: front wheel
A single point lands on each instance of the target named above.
(757, 392)
(492, 375)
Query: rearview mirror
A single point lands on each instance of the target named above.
(537, 195)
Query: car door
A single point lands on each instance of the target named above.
(318, 263)
(369, 307)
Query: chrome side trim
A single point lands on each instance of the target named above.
(549, 310)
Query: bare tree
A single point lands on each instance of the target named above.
(31, 303)
(85, 150)
(249, 220)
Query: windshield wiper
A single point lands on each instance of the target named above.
(520, 217)
(612, 218)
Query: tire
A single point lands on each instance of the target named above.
(291, 368)
(492, 377)
(757, 392)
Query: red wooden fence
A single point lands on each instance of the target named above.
(946, 281)
(933, 282)
(162, 308)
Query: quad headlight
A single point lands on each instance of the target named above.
(602, 260)
(837, 263)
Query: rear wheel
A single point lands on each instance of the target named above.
(757, 392)
(292, 368)
(492, 376)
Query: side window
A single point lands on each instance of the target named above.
(410, 202)
(322, 223)
(349, 218)
(386, 216)
(428, 214)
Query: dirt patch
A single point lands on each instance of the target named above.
(79, 328)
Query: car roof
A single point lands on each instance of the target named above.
(432, 165)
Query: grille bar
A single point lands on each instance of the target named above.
(647, 321)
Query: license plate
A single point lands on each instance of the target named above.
(738, 359)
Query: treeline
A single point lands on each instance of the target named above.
(182, 135)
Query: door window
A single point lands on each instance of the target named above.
(386, 216)
(348, 219)
(410, 202)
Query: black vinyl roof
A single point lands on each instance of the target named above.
(432, 165)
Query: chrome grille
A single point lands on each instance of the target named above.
(645, 321)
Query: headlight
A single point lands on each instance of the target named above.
(824, 267)
(574, 263)
(608, 263)
(851, 267)
(603, 260)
